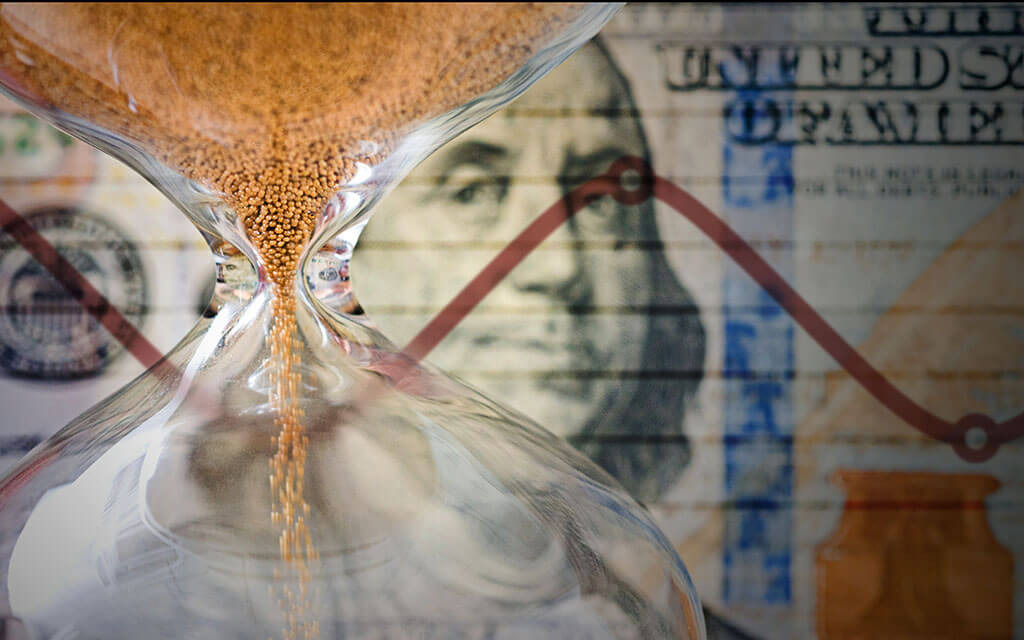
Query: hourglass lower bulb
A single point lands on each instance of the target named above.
(286, 471)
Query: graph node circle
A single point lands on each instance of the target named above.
(977, 441)
(634, 178)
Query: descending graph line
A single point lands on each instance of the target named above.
(975, 437)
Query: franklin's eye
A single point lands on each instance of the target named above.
(467, 194)
(484, 190)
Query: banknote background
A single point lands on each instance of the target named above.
(870, 153)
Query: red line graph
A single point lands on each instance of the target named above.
(630, 181)
(647, 185)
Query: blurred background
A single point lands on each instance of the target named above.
(871, 153)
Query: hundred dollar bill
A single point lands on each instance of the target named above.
(869, 153)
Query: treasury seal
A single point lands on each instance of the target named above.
(44, 331)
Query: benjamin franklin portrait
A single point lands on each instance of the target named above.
(592, 335)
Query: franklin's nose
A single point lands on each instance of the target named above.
(554, 272)
(555, 268)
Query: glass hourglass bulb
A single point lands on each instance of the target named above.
(286, 471)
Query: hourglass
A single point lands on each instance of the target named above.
(286, 471)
